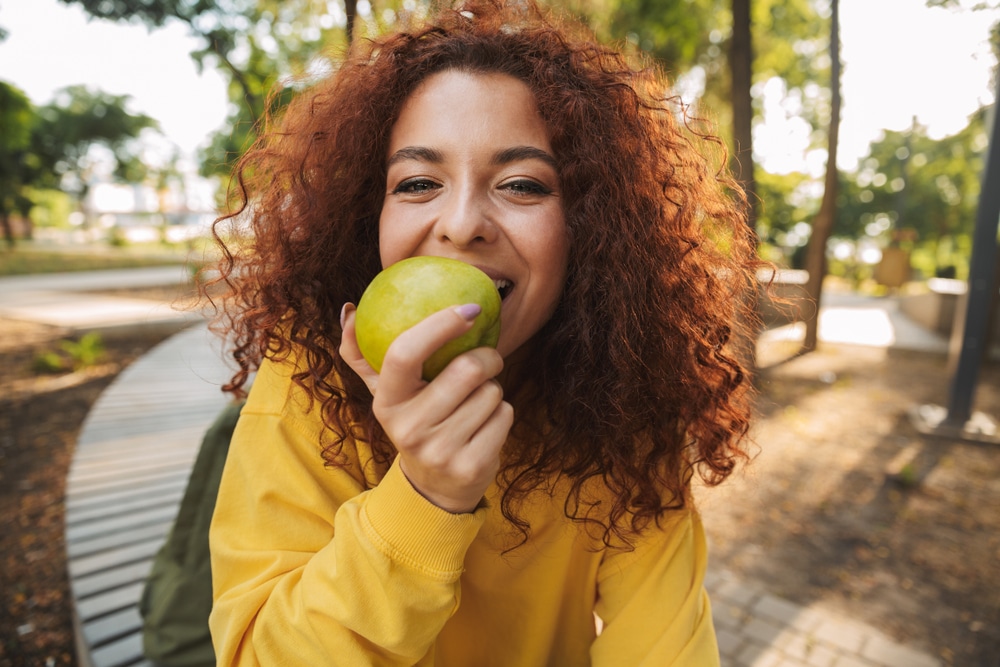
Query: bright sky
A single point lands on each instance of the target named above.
(51, 45)
(900, 59)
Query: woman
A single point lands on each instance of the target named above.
(488, 516)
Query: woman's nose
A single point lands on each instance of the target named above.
(466, 218)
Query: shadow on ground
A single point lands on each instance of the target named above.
(848, 507)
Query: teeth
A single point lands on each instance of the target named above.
(501, 284)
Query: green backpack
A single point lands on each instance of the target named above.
(177, 597)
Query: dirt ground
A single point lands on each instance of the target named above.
(846, 505)
(40, 417)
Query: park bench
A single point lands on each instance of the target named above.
(128, 474)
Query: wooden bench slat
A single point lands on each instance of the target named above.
(105, 437)
(122, 482)
(102, 581)
(125, 504)
(120, 523)
(79, 551)
(134, 482)
(136, 454)
(96, 501)
(95, 561)
(113, 626)
(108, 601)
(124, 652)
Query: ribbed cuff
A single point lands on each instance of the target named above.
(411, 529)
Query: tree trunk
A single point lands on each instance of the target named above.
(351, 11)
(741, 70)
(8, 229)
(823, 223)
(992, 330)
(742, 164)
(24, 207)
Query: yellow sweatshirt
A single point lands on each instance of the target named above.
(310, 569)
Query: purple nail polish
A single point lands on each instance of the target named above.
(469, 311)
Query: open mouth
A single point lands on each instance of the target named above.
(503, 286)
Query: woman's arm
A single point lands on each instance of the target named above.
(653, 603)
(311, 569)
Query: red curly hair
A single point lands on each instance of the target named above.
(633, 386)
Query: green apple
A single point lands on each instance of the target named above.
(408, 291)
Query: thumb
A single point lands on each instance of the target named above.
(349, 350)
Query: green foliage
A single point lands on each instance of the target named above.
(49, 148)
(786, 201)
(909, 181)
(791, 40)
(17, 118)
(48, 362)
(258, 45)
(51, 208)
(79, 119)
(85, 352)
(678, 33)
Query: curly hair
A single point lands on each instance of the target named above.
(634, 385)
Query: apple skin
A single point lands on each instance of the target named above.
(408, 291)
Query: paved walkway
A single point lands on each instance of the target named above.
(67, 300)
(755, 628)
(855, 319)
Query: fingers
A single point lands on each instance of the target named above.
(402, 367)
(461, 380)
(454, 474)
(452, 416)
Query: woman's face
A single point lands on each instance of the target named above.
(472, 176)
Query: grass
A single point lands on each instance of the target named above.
(25, 259)
(75, 355)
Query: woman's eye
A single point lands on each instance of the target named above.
(415, 186)
(526, 187)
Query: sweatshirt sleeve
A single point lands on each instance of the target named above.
(309, 568)
(653, 602)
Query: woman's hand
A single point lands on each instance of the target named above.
(448, 432)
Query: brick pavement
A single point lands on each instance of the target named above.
(758, 629)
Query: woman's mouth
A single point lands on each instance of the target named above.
(503, 286)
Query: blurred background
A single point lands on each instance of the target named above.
(122, 117)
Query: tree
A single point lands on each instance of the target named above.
(17, 120)
(260, 46)
(908, 181)
(741, 71)
(68, 130)
(695, 31)
(693, 39)
(816, 264)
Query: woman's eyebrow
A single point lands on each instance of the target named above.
(518, 153)
(419, 153)
(505, 156)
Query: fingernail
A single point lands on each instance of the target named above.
(469, 311)
(343, 316)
